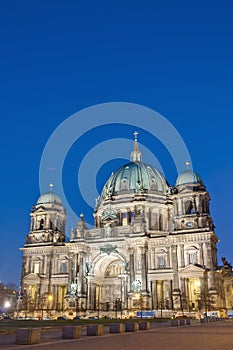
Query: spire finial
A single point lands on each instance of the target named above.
(51, 187)
(187, 163)
(135, 141)
(135, 136)
(136, 155)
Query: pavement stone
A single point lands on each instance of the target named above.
(208, 336)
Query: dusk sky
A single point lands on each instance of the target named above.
(58, 57)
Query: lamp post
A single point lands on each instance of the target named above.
(141, 299)
(139, 295)
(161, 309)
(98, 299)
(121, 276)
(86, 304)
(181, 302)
(7, 305)
(18, 303)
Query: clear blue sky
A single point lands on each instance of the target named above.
(58, 57)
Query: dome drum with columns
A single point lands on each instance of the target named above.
(152, 247)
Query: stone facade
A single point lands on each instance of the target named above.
(153, 247)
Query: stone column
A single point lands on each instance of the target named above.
(178, 207)
(175, 267)
(168, 259)
(55, 297)
(80, 274)
(144, 268)
(24, 267)
(150, 259)
(131, 268)
(153, 258)
(201, 255)
(160, 294)
(70, 264)
(154, 295)
(211, 283)
(182, 255)
(91, 296)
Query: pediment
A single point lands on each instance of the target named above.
(192, 269)
(32, 278)
(108, 215)
(40, 209)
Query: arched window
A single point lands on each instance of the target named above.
(114, 269)
(36, 267)
(41, 224)
(160, 222)
(124, 184)
(161, 261)
(63, 266)
(192, 255)
(189, 207)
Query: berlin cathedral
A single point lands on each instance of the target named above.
(153, 247)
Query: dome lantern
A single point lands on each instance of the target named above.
(136, 155)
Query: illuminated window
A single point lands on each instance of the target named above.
(161, 261)
(113, 270)
(192, 257)
(63, 267)
(36, 267)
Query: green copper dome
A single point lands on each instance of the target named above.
(49, 197)
(135, 177)
(188, 177)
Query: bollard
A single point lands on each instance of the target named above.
(188, 322)
(95, 329)
(116, 328)
(71, 332)
(174, 322)
(202, 320)
(182, 322)
(143, 326)
(27, 336)
(131, 327)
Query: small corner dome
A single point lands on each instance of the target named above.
(188, 177)
(49, 198)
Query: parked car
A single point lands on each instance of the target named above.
(93, 318)
(78, 318)
(61, 318)
(180, 315)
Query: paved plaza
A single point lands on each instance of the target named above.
(209, 336)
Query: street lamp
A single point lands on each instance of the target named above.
(7, 305)
(18, 303)
(141, 300)
(121, 276)
(117, 305)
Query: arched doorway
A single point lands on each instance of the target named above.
(108, 285)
